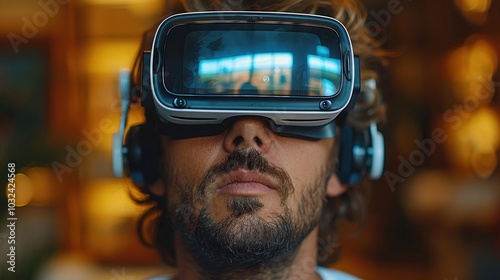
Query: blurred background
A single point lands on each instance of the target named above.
(435, 214)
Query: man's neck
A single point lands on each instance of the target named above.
(301, 264)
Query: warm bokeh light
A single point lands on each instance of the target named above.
(475, 142)
(473, 5)
(23, 190)
(46, 188)
(484, 162)
(105, 56)
(475, 131)
(471, 68)
(60, 94)
(475, 11)
(109, 216)
(109, 198)
(140, 7)
(36, 186)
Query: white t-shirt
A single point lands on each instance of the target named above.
(325, 273)
(332, 274)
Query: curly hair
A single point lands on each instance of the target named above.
(153, 227)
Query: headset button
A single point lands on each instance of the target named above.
(180, 103)
(347, 65)
(325, 105)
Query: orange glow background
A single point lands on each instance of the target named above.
(435, 214)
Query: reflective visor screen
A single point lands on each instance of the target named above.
(244, 59)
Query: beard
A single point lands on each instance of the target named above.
(243, 240)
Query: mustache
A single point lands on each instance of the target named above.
(252, 160)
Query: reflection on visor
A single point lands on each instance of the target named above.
(245, 74)
(264, 73)
(258, 62)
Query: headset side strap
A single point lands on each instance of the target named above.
(118, 149)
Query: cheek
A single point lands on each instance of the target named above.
(307, 165)
(185, 164)
(306, 161)
(190, 158)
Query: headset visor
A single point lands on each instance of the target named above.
(242, 59)
(294, 69)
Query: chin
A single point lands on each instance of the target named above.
(267, 208)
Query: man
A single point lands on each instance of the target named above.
(248, 198)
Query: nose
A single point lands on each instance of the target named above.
(248, 133)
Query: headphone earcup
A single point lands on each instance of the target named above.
(142, 155)
(361, 154)
(349, 171)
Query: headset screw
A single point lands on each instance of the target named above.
(325, 104)
(180, 103)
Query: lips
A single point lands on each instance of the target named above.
(244, 182)
(246, 173)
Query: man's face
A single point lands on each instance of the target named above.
(245, 195)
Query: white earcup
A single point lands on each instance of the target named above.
(378, 152)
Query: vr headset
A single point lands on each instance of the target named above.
(205, 69)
